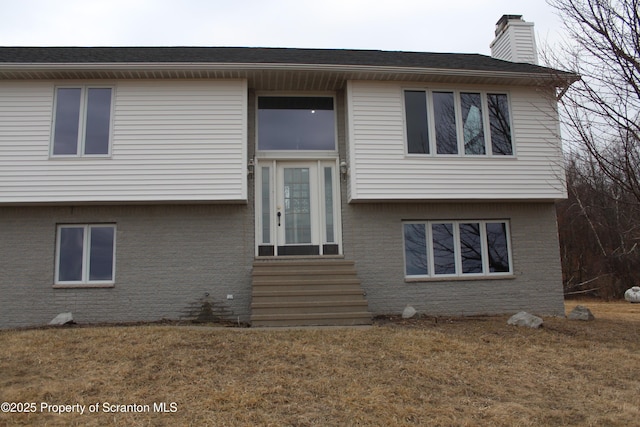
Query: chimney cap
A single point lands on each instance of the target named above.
(502, 22)
(505, 18)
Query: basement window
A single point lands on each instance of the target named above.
(469, 248)
(85, 255)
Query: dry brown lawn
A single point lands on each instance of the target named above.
(462, 372)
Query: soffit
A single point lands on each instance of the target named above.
(279, 77)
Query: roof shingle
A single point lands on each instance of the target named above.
(246, 55)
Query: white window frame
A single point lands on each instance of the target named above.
(319, 165)
(80, 144)
(459, 275)
(431, 123)
(86, 248)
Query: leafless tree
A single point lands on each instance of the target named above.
(600, 222)
(602, 110)
(599, 228)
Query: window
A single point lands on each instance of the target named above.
(416, 118)
(468, 123)
(444, 260)
(500, 128)
(445, 122)
(82, 121)
(85, 254)
(473, 130)
(456, 248)
(296, 123)
(328, 205)
(266, 205)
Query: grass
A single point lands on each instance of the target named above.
(420, 372)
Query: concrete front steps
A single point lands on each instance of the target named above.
(307, 292)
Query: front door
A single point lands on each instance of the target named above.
(298, 208)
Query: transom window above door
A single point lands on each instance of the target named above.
(296, 123)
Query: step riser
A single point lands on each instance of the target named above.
(332, 322)
(284, 310)
(337, 311)
(298, 270)
(308, 282)
(302, 288)
(304, 276)
(271, 299)
(318, 263)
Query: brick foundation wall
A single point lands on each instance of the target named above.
(373, 238)
(167, 258)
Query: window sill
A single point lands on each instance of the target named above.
(296, 154)
(82, 285)
(458, 278)
(464, 157)
(76, 157)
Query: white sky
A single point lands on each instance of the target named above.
(410, 25)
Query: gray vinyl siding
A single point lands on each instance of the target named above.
(381, 169)
(170, 141)
(516, 43)
(374, 239)
(167, 258)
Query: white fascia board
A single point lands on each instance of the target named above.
(184, 66)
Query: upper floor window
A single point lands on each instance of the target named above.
(499, 122)
(471, 123)
(82, 121)
(296, 123)
(85, 254)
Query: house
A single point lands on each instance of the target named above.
(278, 186)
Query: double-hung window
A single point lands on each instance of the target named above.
(457, 248)
(82, 121)
(457, 123)
(85, 254)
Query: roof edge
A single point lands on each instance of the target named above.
(552, 75)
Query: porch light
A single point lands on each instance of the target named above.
(251, 166)
(343, 169)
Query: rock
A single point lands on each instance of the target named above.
(62, 319)
(633, 294)
(581, 313)
(408, 312)
(525, 319)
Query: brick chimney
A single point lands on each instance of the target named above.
(515, 40)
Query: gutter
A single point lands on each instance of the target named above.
(195, 66)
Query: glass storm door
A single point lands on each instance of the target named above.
(297, 208)
(296, 212)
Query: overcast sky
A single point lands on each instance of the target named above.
(410, 25)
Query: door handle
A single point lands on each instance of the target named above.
(279, 215)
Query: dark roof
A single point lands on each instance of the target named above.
(245, 55)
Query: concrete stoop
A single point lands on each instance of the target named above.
(307, 292)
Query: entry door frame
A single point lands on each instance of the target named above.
(325, 206)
